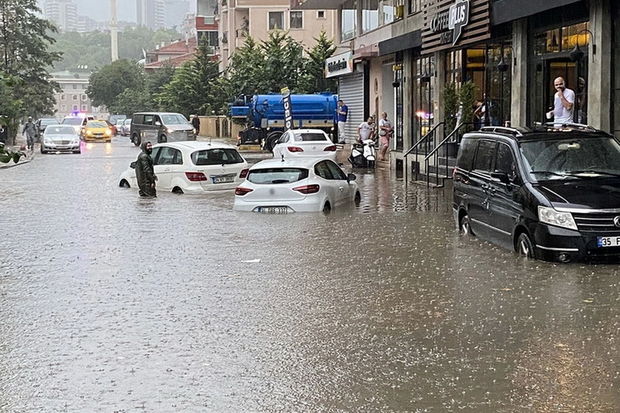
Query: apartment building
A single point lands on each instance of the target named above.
(63, 13)
(151, 13)
(239, 19)
(72, 99)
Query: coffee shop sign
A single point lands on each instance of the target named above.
(450, 23)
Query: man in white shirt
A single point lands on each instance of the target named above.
(563, 103)
(366, 130)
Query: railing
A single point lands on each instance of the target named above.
(435, 153)
(417, 147)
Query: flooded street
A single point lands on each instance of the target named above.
(111, 303)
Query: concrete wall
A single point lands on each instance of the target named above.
(215, 126)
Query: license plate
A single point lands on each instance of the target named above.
(222, 179)
(602, 242)
(273, 210)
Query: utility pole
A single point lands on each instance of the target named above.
(114, 31)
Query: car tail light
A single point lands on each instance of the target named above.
(307, 189)
(244, 173)
(295, 149)
(195, 176)
(330, 148)
(242, 191)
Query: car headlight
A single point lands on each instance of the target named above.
(559, 219)
(170, 130)
(194, 131)
(108, 132)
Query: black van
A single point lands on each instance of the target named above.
(551, 193)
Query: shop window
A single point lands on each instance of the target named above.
(424, 71)
(348, 24)
(562, 39)
(399, 95)
(297, 19)
(370, 15)
(276, 20)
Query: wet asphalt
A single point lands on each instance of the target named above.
(112, 303)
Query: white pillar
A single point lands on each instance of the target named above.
(599, 66)
(114, 31)
(518, 95)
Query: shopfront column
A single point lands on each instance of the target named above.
(518, 115)
(438, 88)
(600, 70)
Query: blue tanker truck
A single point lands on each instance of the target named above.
(263, 116)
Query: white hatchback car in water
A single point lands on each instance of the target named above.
(296, 185)
(304, 143)
(193, 167)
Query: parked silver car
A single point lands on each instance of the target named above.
(60, 138)
(124, 128)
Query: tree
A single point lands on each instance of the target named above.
(314, 78)
(283, 62)
(191, 89)
(24, 57)
(245, 70)
(112, 80)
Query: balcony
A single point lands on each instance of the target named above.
(316, 4)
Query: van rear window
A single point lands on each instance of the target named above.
(277, 175)
(216, 156)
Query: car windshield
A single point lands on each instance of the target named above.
(97, 124)
(47, 122)
(218, 156)
(572, 158)
(60, 130)
(127, 122)
(310, 137)
(277, 175)
(174, 119)
(72, 121)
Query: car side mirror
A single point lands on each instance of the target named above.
(351, 177)
(501, 176)
(157, 123)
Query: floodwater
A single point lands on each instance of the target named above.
(111, 303)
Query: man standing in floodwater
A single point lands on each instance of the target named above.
(145, 174)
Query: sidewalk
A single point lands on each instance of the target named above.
(19, 141)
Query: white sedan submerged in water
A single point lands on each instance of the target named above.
(192, 167)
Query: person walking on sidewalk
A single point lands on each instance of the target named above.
(342, 112)
(385, 134)
(196, 123)
(145, 174)
(30, 130)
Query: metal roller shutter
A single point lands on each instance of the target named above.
(351, 91)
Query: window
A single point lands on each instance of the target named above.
(311, 137)
(84, 97)
(63, 107)
(75, 86)
(485, 155)
(370, 15)
(155, 155)
(170, 156)
(466, 154)
(284, 138)
(505, 161)
(337, 173)
(75, 107)
(62, 97)
(277, 175)
(148, 120)
(415, 6)
(75, 97)
(322, 170)
(348, 25)
(216, 157)
(276, 20)
(84, 107)
(297, 19)
(320, 14)
(388, 11)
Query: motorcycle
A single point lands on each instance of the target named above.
(363, 155)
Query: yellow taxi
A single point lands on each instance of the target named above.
(96, 130)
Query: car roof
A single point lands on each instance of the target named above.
(158, 113)
(196, 145)
(306, 163)
(540, 132)
(300, 131)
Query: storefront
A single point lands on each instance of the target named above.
(352, 88)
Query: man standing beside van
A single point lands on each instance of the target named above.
(563, 103)
(196, 124)
(145, 173)
(342, 111)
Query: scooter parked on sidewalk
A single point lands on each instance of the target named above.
(363, 155)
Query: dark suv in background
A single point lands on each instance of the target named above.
(551, 193)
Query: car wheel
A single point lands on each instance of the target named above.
(77, 152)
(135, 139)
(43, 151)
(327, 208)
(525, 247)
(124, 184)
(357, 199)
(177, 190)
(272, 140)
(464, 226)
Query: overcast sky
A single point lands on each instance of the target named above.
(100, 9)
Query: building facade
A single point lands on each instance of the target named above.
(403, 54)
(239, 19)
(151, 13)
(72, 99)
(63, 13)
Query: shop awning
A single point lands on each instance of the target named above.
(508, 10)
(402, 42)
(316, 4)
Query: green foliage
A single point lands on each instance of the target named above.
(245, 70)
(112, 80)
(451, 105)
(191, 89)
(6, 155)
(25, 40)
(314, 78)
(283, 63)
(467, 96)
(93, 48)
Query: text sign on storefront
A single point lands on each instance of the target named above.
(459, 17)
(288, 108)
(341, 64)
